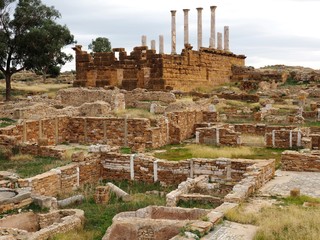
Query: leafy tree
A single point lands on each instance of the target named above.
(101, 44)
(30, 38)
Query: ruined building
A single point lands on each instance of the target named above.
(145, 68)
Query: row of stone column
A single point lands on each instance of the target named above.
(212, 39)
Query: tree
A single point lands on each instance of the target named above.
(101, 44)
(30, 38)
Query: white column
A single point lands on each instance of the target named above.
(218, 136)
(186, 25)
(155, 171)
(161, 44)
(199, 27)
(213, 27)
(197, 137)
(153, 44)
(219, 41)
(132, 166)
(144, 40)
(273, 138)
(78, 177)
(173, 32)
(226, 38)
(299, 139)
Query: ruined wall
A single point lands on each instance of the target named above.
(218, 135)
(296, 161)
(149, 169)
(136, 133)
(144, 68)
(63, 179)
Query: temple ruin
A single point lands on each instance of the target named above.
(145, 68)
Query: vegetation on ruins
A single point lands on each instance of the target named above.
(182, 152)
(27, 165)
(100, 44)
(99, 216)
(30, 38)
(288, 220)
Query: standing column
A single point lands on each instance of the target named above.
(173, 32)
(219, 41)
(213, 27)
(226, 38)
(186, 25)
(161, 44)
(199, 28)
(153, 44)
(144, 40)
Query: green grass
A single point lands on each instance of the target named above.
(4, 122)
(183, 152)
(99, 216)
(197, 204)
(299, 200)
(27, 168)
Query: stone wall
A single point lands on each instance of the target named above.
(287, 139)
(296, 161)
(144, 68)
(148, 169)
(136, 133)
(63, 179)
(218, 135)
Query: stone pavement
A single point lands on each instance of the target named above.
(284, 181)
(280, 185)
(232, 231)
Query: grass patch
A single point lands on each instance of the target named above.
(299, 200)
(125, 150)
(31, 166)
(22, 158)
(281, 222)
(197, 204)
(135, 113)
(4, 122)
(99, 217)
(182, 152)
(22, 89)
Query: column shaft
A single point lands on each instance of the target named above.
(153, 44)
(199, 27)
(161, 44)
(213, 27)
(219, 41)
(144, 40)
(186, 25)
(226, 38)
(173, 32)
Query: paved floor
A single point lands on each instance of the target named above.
(283, 182)
(280, 185)
(232, 231)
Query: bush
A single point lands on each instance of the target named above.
(54, 71)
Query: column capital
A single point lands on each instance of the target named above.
(173, 12)
(186, 10)
(213, 7)
(199, 8)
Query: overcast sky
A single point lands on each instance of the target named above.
(266, 31)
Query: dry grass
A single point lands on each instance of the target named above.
(278, 222)
(36, 88)
(135, 113)
(79, 234)
(22, 157)
(203, 151)
(253, 140)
